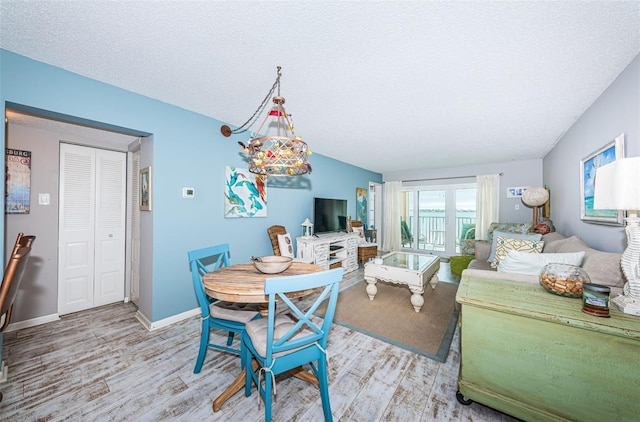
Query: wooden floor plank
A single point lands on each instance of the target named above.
(102, 365)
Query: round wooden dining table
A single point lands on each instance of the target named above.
(243, 283)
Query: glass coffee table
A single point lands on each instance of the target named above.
(411, 269)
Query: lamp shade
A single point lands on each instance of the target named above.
(617, 185)
(535, 196)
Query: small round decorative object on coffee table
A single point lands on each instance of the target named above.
(563, 279)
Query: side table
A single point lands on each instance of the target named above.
(367, 251)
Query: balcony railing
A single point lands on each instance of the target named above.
(432, 232)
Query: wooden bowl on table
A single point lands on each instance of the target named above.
(272, 264)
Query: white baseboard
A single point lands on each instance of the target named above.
(139, 316)
(32, 322)
(167, 321)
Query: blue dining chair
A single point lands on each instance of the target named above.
(221, 315)
(280, 343)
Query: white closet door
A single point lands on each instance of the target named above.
(76, 228)
(135, 228)
(110, 234)
(92, 228)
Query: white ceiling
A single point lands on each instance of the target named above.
(382, 85)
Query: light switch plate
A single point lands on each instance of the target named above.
(188, 192)
(43, 199)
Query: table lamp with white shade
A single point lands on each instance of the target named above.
(617, 187)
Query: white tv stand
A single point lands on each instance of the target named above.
(330, 250)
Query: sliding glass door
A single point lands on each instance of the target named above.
(435, 218)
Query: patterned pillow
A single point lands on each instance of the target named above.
(285, 245)
(508, 227)
(468, 247)
(510, 235)
(504, 245)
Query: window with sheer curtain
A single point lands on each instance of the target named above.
(391, 214)
(487, 187)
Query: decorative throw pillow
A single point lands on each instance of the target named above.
(285, 245)
(520, 228)
(505, 245)
(510, 235)
(468, 247)
(532, 263)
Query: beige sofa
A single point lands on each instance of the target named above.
(602, 267)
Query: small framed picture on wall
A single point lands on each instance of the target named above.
(145, 189)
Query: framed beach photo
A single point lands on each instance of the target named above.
(145, 189)
(588, 166)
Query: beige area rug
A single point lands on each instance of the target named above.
(390, 317)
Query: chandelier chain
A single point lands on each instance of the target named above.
(246, 125)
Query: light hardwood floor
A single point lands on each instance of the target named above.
(102, 365)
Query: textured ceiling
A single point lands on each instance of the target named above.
(382, 85)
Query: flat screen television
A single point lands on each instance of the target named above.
(329, 215)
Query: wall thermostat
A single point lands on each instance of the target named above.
(188, 192)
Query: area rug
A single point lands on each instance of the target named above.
(390, 317)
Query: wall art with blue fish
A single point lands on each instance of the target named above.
(245, 193)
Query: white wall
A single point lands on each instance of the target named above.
(616, 111)
(514, 174)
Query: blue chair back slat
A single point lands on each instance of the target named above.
(203, 261)
(278, 287)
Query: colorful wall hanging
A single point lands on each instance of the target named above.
(361, 205)
(245, 194)
(17, 181)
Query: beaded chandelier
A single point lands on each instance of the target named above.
(282, 154)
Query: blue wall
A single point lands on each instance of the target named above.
(188, 150)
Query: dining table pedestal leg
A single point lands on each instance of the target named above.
(233, 388)
(305, 376)
(238, 383)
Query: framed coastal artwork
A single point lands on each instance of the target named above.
(245, 193)
(145, 189)
(608, 153)
(361, 205)
(17, 181)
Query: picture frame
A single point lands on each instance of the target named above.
(145, 189)
(610, 152)
(245, 193)
(17, 181)
(361, 205)
(516, 192)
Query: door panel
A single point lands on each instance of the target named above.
(92, 228)
(436, 215)
(76, 227)
(110, 227)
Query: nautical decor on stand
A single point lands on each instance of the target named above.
(307, 228)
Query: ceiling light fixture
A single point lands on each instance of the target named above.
(282, 154)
